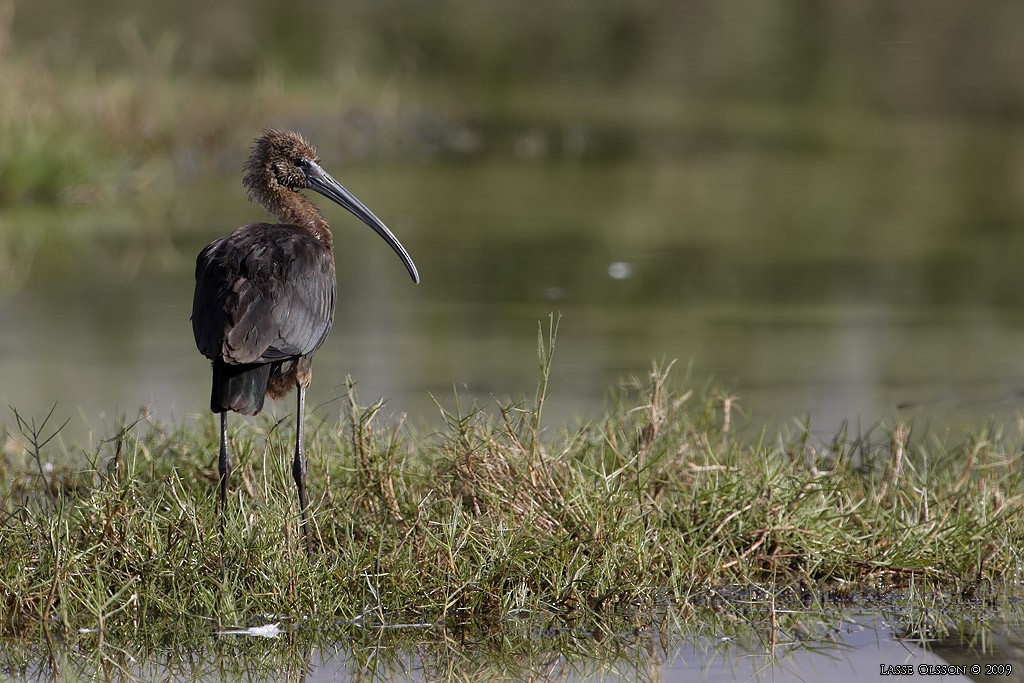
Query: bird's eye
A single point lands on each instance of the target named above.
(302, 162)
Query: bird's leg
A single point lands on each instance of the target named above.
(299, 465)
(224, 464)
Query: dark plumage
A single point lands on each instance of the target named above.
(264, 299)
(264, 296)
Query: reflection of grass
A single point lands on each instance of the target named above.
(493, 517)
(737, 632)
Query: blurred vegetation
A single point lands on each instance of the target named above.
(862, 130)
(943, 56)
(131, 86)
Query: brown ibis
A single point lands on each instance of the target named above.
(265, 294)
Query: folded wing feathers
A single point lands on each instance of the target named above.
(264, 293)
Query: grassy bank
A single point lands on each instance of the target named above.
(495, 514)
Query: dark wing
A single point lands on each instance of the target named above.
(263, 293)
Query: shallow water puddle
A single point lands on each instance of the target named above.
(863, 647)
(725, 646)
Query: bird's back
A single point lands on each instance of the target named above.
(264, 293)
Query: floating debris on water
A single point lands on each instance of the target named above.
(620, 270)
(265, 631)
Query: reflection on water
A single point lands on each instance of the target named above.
(831, 328)
(753, 641)
(995, 652)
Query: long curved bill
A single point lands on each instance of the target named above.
(321, 181)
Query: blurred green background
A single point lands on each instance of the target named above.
(817, 205)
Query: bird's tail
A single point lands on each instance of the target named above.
(241, 388)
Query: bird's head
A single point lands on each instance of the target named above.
(279, 159)
(283, 161)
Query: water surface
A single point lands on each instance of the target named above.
(822, 325)
(751, 644)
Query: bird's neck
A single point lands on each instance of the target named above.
(293, 208)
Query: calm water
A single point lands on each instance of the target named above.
(849, 646)
(816, 207)
(832, 325)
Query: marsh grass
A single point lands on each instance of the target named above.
(496, 515)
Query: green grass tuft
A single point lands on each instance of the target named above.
(494, 515)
